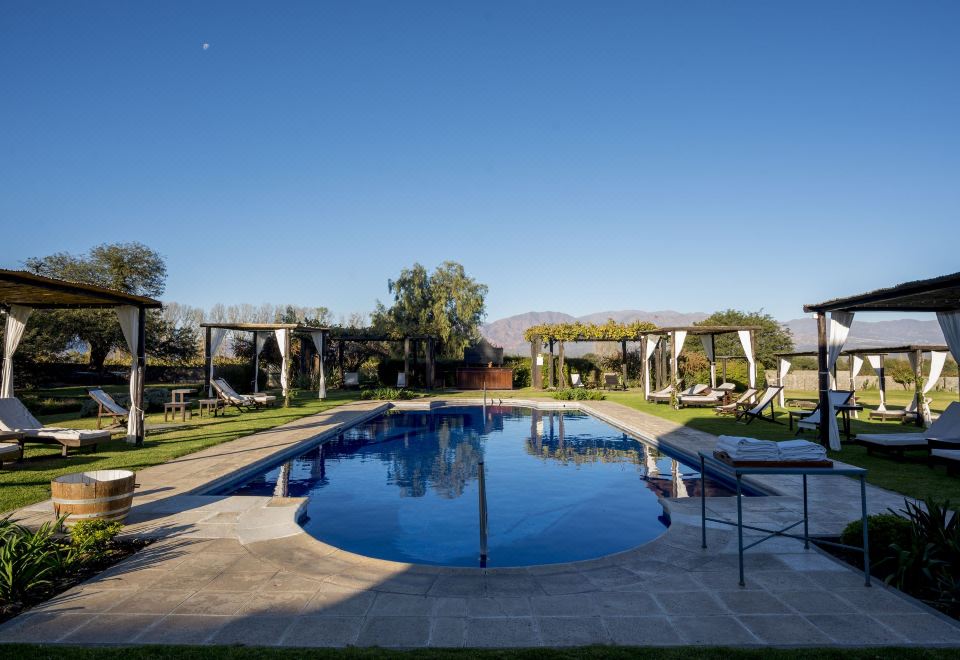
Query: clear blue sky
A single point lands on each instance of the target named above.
(573, 156)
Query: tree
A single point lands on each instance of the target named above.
(772, 337)
(447, 304)
(131, 268)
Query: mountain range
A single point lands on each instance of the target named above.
(508, 332)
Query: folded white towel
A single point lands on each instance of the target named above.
(801, 450)
(743, 449)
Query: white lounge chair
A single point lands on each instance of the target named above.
(107, 407)
(732, 407)
(904, 414)
(240, 401)
(766, 401)
(707, 398)
(14, 416)
(946, 453)
(811, 422)
(944, 428)
(576, 381)
(10, 451)
(663, 396)
(351, 379)
(401, 379)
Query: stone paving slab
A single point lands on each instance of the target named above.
(238, 570)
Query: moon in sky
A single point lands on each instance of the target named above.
(206, 46)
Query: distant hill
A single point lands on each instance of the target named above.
(508, 332)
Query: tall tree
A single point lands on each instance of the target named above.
(446, 303)
(132, 268)
(772, 337)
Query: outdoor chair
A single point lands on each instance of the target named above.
(706, 398)
(811, 422)
(107, 407)
(732, 407)
(402, 379)
(729, 388)
(240, 401)
(907, 414)
(575, 381)
(663, 396)
(10, 451)
(14, 416)
(351, 379)
(946, 428)
(945, 453)
(611, 381)
(765, 402)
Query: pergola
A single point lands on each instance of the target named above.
(939, 295)
(536, 374)
(875, 356)
(707, 333)
(22, 292)
(215, 333)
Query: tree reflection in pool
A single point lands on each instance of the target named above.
(561, 486)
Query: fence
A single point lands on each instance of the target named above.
(807, 380)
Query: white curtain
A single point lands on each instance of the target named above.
(708, 349)
(679, 337)
(856, 364)
(217, 335)
(937, 359)
(782, 371)
(283, 335)
(16, 322)
(129, 318)
(950, 325)
(652, 341)
(837, 331)
(875, 362)
(745, 341)
(258, 349)
(317, 336)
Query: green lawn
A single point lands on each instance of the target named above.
(37, 652)
(910, 477)
(29, 481)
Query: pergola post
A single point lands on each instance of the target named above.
(562, 379)
(536, 373)
(753, 368)
(256, 363)
(882, 384)
(551, 382)
(406, 361)
(623, 352)
(208, 360)
(713, 361)
(674, 363)
(918, 386)
(322, 351)
(429, 358)
(823, 379)
(141, 372)
(340, 360)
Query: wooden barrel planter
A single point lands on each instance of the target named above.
(103, 494)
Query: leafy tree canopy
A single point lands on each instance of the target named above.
(446, 303)
(772, 337)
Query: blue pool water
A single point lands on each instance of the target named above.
(560, 486)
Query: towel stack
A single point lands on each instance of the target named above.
(801, 450)
(748, 449)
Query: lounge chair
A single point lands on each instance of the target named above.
(945, 453)
(663, 396)
(903, 414)
(240, 401)
(811, 422)
(14, 416)
(575, 381)
(706, 398)
(766, 401)
(611, 381)
(729, 388)
(945, 428)
(107, 407)
(10, 451)
(351, 379)
(732, 407)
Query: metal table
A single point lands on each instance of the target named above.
(739, 472)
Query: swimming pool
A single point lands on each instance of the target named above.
(559, 486)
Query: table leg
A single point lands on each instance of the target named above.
(806, 525)
(866, 535)
(703, 506)
(740, 527)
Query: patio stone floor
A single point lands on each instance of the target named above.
(239, 570)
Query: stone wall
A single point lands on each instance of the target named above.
(802, 379)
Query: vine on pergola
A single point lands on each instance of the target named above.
(578, 331)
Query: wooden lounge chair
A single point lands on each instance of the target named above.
(107, 407)
(766, 401)
(14, 416)
(945, 429)
(351, 379)
(907, 414)
(664, 395)
(945, 453)
(706, 398)
(10, 451)
(240, 401)
(811, 422)
(732, 407)
(575, 381)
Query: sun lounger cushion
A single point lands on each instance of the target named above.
(949, 454)
(946, 427)
(9, 449)
(14, 416)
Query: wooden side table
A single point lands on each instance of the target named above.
(212, 406)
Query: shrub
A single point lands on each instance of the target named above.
(386, 394)
(886, 530)
(29, 561)
(579, 394)
(91, 538)
(521, 375)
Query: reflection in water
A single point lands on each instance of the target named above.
(560, 486)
